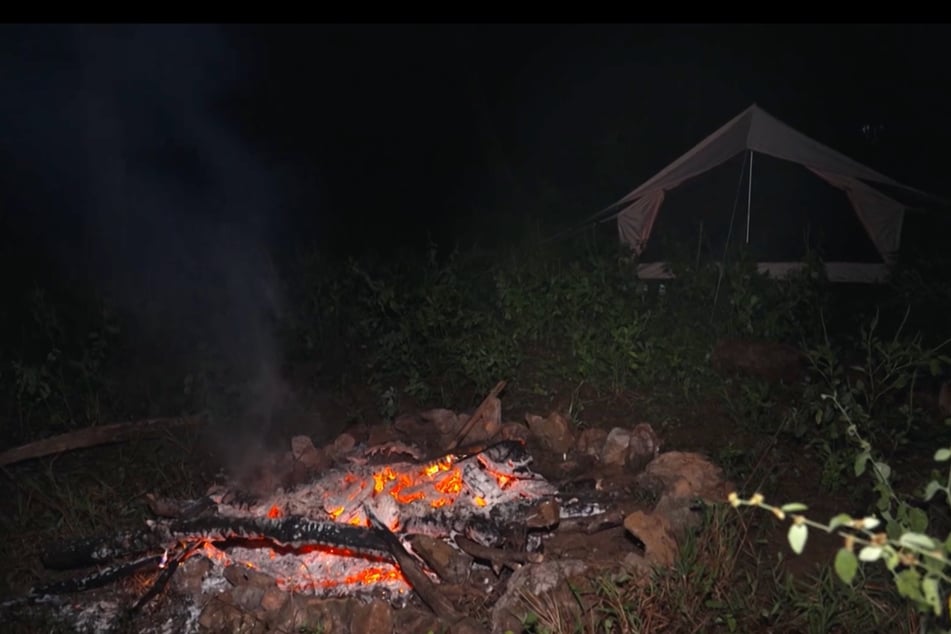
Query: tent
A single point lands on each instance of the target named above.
(758, 183)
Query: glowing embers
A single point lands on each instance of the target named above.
(322, 570)
(434, 498)
(413, 484)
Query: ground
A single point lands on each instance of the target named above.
(754, 459)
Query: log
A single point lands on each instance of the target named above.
(424, 588)
(95, 436)
(476, 415)
(511, 559)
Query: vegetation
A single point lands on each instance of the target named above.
(442, 328)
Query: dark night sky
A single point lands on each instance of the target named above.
(306, 129)
(127, 147)
(171, 167)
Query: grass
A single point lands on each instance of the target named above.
(574, 328)
(723, 582)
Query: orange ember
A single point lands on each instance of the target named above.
(215, 555)
(405, 488)
(501, 478)
(275, 512)
(375, 575)
(452, 483)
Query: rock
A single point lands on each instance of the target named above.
(187, 579)
(644, 446)
(411, 619)
(314, 614)
(685, 475)
(344, 444)
(247, 597)
(221, 617)
(655, 531)
(553, 433)
(488, 425)
(309, 459)
(514, 431)
(381, 435)
(273, 599)
(445, 422)
(301, 445)
(614, 452)
(591, 441)
(238, 575)
(409, 424)
(545, 582)
(374, 617)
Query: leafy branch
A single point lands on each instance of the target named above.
(918, 562)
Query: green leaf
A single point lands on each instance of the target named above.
(884, 470)
(917, 540)
(917, 520)
(794, 507)
(797, 537)
(891, 557)
(860, 461)
(929, 587)
(934, 566)
(846, 565)
(932, 488)
(844, 519)
(870, 553)
(908, 584)
(942, 454)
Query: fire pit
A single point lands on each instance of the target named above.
(378, 532)
(320, 539)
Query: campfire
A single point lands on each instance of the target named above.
(322, 538)
(402, 526)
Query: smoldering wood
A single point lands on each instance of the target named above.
(511, 559)
(99, 578)
(95, 436)
(187, 525)
(289, 531)
(92, 551)
(595, 513)
(426, 589)
(477, 415)
(170, 567)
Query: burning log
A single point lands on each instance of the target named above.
(94, 551)
(337, 534)
(426, 590)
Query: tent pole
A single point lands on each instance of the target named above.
(749, 197)
(699, 243)
(729, 235)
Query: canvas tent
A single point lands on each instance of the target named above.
(758, 182)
